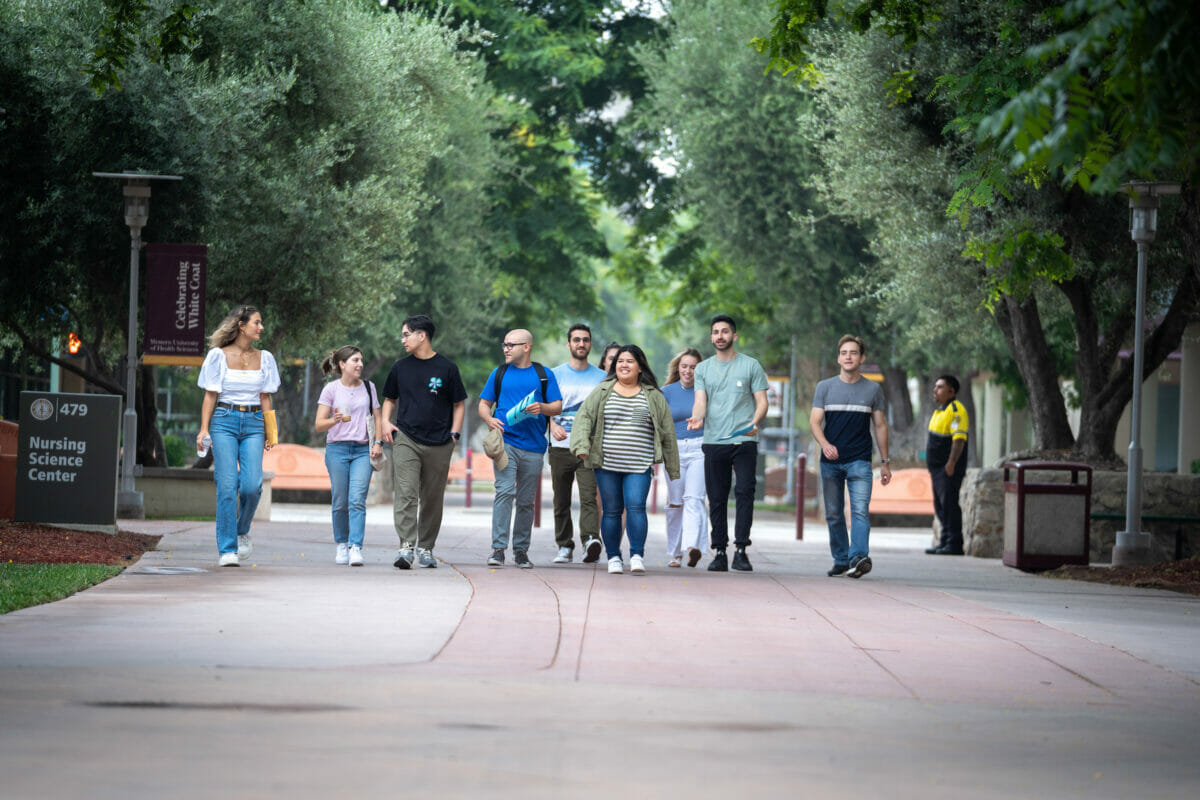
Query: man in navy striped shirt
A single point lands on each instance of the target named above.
(844, 408)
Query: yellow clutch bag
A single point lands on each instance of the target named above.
(271, 427)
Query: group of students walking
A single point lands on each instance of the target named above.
(606, 427)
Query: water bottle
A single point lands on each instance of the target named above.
(202, 450)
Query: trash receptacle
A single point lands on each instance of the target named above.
(1046, 521)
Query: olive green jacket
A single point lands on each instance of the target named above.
(587, 432)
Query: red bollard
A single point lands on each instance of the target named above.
(801, 472)
(468, 477)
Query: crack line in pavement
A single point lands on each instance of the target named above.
(558, 613)
(865, 651)
(587, 613)
(466, 608)
(1012, 641)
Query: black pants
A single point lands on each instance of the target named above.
(722, 462)
(945, 505)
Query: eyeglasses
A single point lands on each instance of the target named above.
(511, 345)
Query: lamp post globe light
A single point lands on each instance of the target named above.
(136, 190)
(1133, 544)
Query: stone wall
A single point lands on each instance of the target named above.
(1165, 494)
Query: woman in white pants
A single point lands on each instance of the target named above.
(687, 517)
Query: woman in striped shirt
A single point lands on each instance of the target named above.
(623, 428)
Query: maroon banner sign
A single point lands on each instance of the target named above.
(175, 303)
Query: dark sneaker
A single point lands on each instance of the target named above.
(859, 568)
(496, 559)
(719, 563)
(837, 570)
(522, 560)
(945, 550)
(404, 559)
(593, 548)
(740, 562)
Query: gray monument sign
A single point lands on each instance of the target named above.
(67, 458)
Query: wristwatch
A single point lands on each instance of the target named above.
(456, 435)
(379, 441)
(885, 461)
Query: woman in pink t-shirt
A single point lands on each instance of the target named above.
(342, 413)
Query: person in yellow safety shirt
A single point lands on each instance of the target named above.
(945, 455)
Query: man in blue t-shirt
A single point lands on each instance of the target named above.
(528, 394)
(576, 380)
(844, 409)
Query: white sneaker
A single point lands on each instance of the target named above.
(636, 564)
(343, 554)
(228, 560)
(564, 556)
(356, 557)
(615, 566)
(245, 548)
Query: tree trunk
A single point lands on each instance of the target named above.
(1188, 221)
(1022, 328)
(1098, 430)
(151, 451)
(895, 389)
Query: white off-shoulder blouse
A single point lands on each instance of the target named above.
(238, 386)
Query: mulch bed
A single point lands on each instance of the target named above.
(30, 543)
(1177, 576)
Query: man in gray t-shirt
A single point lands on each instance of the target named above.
(731, 400)
(845, 407)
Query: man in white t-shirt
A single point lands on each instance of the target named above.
(576, 380)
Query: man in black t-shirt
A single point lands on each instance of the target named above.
(427, 398)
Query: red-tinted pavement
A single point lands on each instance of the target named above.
(291, 676)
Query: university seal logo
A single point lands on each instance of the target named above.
(41, 409)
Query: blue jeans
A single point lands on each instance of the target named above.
(349, 465)
(237, 448)
(623, 492)
(856, 476)
(518, 481)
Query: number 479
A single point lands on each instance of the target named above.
(73, 409)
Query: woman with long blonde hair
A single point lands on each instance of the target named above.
(237, 421)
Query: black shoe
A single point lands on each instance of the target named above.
(740, 562)
(496, 559)
(837, 570)
(932, 551)
(593, 548)
(719, 563)
(859, 568)
(945, 550)
(522, 559)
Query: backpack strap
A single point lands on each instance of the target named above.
(499, 378)
(541, 373)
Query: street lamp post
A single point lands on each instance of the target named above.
(130, 504)
(1133, 544)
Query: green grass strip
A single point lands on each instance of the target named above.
(24, 585)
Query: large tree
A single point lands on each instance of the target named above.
(306, 135)
(1046, 251)
(750, 233)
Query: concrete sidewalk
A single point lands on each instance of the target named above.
(294, 677)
